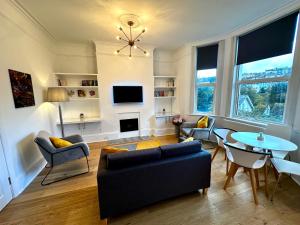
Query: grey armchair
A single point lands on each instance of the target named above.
(56, 156)
(189, 129)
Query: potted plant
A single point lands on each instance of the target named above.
(177, 121)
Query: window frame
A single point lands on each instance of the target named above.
(205, 84)
(292, 85)
(239, 82)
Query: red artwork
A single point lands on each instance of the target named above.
(21, 85)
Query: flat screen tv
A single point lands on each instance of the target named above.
(128, 94)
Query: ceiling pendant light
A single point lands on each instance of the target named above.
(129, 40)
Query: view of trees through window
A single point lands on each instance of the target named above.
(262, 88)
(205, 88)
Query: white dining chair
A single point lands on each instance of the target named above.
(284, 166)
(282, 131)
(250, 161)
(223, 135)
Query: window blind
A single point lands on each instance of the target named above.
(268, 41)
(207, 57)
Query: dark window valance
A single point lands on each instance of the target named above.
(207, 57)
(268, 41)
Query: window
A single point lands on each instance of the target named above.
(263, 69)
(206, 78)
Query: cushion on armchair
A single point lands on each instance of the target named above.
(202, 122)
(59, 143)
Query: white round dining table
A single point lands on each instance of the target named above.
(269, 142)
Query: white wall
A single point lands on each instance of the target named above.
(75, 57)
(120, 70)
(184, 69)
(23, 48)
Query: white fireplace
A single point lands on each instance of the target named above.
(129, 124)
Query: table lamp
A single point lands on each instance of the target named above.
(57, 94)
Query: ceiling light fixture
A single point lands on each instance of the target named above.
(130, 40)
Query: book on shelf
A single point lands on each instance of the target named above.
(89, 83)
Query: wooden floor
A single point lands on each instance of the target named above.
(75, 201)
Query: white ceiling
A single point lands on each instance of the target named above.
(170, 23)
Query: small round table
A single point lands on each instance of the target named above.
(270, 142)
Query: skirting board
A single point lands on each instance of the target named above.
(106, 136)
(25, 179)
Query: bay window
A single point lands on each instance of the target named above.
(263, 69)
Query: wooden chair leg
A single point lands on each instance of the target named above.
(232, 170)
(277, 182)
(256, 178)
(252, 178)
(215, 153)
(204, 191)
(227, 166)
(235, 170)
(266, 180)
(275, 172)
(105, 222)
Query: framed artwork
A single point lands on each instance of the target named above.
(22, 90)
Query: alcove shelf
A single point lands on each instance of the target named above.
(164, 95)
(79, 121)
(83, 91)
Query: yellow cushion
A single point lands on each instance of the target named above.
(109, 149)
(189, 139)
(59, 143)
(147, 144)
(203, 122)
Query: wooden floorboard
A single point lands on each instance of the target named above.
(75, 201)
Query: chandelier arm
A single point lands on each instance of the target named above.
(125, 34)
(138, 36)
(141, 49)
(123, 47)
(122, 39)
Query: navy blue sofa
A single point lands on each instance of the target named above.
(131, 180)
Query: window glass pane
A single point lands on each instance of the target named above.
(206, 76)
(205, 98)
(262, 101)
(279, 66)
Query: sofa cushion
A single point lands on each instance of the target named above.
(190, 139)
(132, 158)
(183, 148)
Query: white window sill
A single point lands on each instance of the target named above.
(202, 114)
(247, 122)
